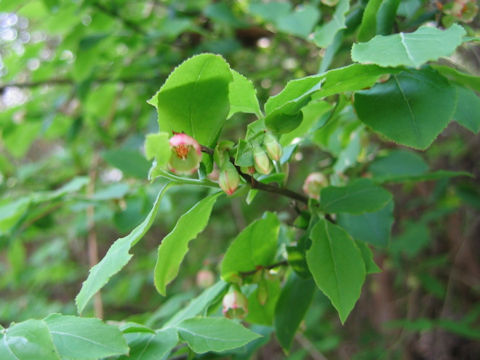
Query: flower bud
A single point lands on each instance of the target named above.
(186, 154)
(262, 162)
(235, 304)
(274, 150)
(262, 292)
(249, 170)
(205, 278)
(313, 184)
(228, 178)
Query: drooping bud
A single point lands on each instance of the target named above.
(262, 292)
(249, 170)
(262, 162)
(228, 178)
(273, 147)
(186, 154)
(235, 304)
(313, 184)
(205, 278)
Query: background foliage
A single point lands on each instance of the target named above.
(75, 78)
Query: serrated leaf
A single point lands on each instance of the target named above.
(194, 98)
(116, 257)
(325, 34)
(214, 334)
(174, 246)
(409, 49)
(255, 246)
(292, 305)
(147, 346)
(337, 266)
(411, 108)
(85, 338)
(242, 96)
(360, 196)
(28, 340)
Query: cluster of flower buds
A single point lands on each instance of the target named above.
(263, 154)
(235, 304)
(313, 184)
(185, 156)
(458, 10)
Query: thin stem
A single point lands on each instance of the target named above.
(270, 267)
(255, 184)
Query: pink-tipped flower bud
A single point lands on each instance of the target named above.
(262, 162)
(228, 178)
(205, 278)
(313, 184)
(249, 170)
(186, 154)
(273, 147)
(235, 304)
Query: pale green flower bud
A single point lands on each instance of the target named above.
(274, 150)
(228, 178)
(262, 162)
(186, 154)
(235, 304)
(313, 184)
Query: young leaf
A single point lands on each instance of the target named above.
(116, 257)
(194, 98)
(174, 246)
(337, 266)
(292, 304)
(28, 340)
(84, 339)
(368, 27)
(148, 346)
(398, 163)
(157, 146)
(299, 22)
(411, 108)
(255, 246)
(242, 96)
(360, 196)
(374, 227)
(325, 34)
(409, 49)
(214, 334)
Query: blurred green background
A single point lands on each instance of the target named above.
(74, 80)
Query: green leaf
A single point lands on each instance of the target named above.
(325, 34)
(368, 27)
(292, 305)
(358, 197)
(434, 175)
(243, 96)
(337, 266)
(116, 257)
(409, 49)
(11, 212)
(413, 240)
(299, 22)
(458, 77)
(386, 16)
(467, 112)
(28, 340)
(374, 227)
(198, 305)
(398, 163)
(157, 146)
(367, 255)
(411, 108)
(214, 334)
(130, 161)
(19, 139)
(259, 313)
(255, 246)
(270, 11)
(194, 98)
(174, 246)
(85, 339)
(147, 346)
